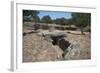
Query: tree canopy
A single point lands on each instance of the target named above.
(46, 19)
(61, 21)
(81, 20)
(30, 15)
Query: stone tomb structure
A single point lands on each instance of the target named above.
(70, 51)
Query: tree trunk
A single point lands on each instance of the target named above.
(69, 27)
(82, 32)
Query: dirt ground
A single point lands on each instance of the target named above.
(37, 48)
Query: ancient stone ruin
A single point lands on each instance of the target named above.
(70, 51)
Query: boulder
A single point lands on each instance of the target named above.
(72, 52)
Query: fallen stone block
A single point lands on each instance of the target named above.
(72, 52)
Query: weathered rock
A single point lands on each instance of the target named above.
(72, 52)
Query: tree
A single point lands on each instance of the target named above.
(46, 19)
(36, 19)
(61, 21)
(30, 15)
(81, 20)
(70, 22)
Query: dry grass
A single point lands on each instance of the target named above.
(36, 48)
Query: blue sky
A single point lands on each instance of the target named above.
(54, 14)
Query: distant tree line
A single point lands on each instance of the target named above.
(80, 20)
